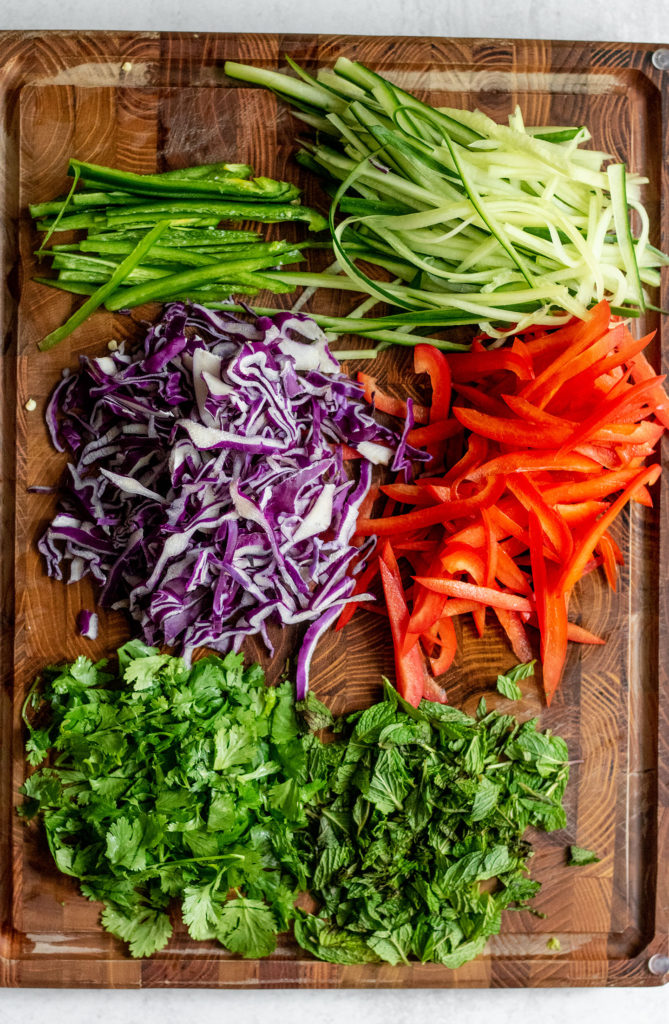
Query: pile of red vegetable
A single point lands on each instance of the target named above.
(557, 430)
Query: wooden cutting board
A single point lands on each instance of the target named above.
(151, 101)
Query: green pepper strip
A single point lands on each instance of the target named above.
(106, 290)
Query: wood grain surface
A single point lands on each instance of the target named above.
(145, 102)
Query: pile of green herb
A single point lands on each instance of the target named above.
(201, 784)
(168, 782)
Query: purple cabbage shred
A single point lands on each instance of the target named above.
(207, 494)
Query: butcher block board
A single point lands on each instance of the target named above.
(157, 101)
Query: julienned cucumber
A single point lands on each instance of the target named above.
(474, 212)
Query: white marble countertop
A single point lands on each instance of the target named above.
(639, 20)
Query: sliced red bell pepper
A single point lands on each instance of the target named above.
(600, 485)
(430, 360)
(434, 692)
(361, 584)
(605, 549)
(349, 453)
(554, 638)
(530, 462)
(475, 365)
(471, 592)
(449, 644)
(586, 545)
(559, 369)
(423, 517)
(409, 668)
(408, 494)
(552, 524)
(608, 410)
(575, 633)
(480, 399)
(388, 404)
(440, 430)
(642, 370)
(512, 625)
(538, 564)
(580, 512)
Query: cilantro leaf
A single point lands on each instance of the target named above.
(247, 927)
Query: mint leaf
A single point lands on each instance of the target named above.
(578, 856)
(507, 684)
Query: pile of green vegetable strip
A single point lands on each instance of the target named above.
(156, 236)
(476, 222)
(202, 785)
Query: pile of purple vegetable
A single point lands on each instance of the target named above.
(209, 494)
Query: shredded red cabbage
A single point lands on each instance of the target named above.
(208, 493)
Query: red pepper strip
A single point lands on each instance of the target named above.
(578, 634)
(555, 528)
(409, 668)
(428, 607)
(610, 433)
(579, 513)
(617, 553)
(462, 558)
(642, 370)
(471, 592)
(608, 560)
(600, 486)
(477, 450)
(550, 343)
(434, 692)
(513, 627)
(491, 548)
(530, 462)
(538, 568)
(388, 404)
(474, 365)
(408, 494)
(547, 391)
(512, 431)
(606, 412)
(449, 645)
(480, 399)
(440, 430)
(586, 544)
(349, 453)
(361, 584)
(531, 413)
(456, 606)
(509, 574)
(554, 637)
(428, 359)
(414, 545)
(624, 353)
(423, 517)
(558, 369)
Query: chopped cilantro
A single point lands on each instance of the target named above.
(200, 784)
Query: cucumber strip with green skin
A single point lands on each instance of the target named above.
(314, 95)
(106, 291)
(265, 190)
(617, 175)
(190, 279)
